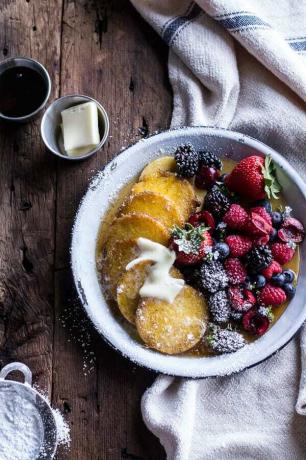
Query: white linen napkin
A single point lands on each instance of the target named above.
(238, 65)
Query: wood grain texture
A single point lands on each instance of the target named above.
(27, 201)
(103, 49)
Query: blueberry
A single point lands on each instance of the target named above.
(278, 279)
(259, 281)
(289, 289)
(273, 234)
(265, 204)
(289, 276)
(222, 249)
(276, 218)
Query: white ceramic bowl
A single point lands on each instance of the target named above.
(104, 189)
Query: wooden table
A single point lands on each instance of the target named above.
(104, 49)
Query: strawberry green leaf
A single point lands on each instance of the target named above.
(272, 186)
(189, 238)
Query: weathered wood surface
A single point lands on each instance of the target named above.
(103, 49)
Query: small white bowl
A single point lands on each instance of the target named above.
(50, 127)
(95, 204)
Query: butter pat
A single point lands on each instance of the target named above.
(80, 128)
(158, 283)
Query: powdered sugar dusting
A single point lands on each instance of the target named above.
(95, 204)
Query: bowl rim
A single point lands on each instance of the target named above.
(49, 87)
(102, 141)
(215, 132)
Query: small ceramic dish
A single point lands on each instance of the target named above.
(51, 126)
(106, 186)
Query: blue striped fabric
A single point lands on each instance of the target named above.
(298, 45)
(234, 21)
(242, 21)
(176, 24)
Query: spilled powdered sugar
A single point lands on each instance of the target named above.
(79, 328)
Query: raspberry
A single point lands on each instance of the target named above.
(235, 270)
(219, 307)
(255, 322)
(272, 295)
(187, 160)
(236, 217)
(262, 212)
(224, 340)
(273, 269)
(283, 252)
(241, 299)
(261, 240)
(239, 245)
(258, 258)
(212, 277)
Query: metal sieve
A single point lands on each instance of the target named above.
(44, 411)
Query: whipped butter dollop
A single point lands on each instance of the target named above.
(158, 283)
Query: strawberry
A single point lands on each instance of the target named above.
(262, 212)
(202, 217)
(291, 230)
(283, 252)
(235, 270)
(239, 245)
(241, 299)
(273, 269)
(272, 295)
(190, 244)
(235, 217)
(255, 322)
(257, 225)
(254, 178)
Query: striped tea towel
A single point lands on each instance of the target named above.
(238, 65)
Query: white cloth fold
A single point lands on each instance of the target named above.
(238, 65)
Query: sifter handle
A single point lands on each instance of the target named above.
(17, 367)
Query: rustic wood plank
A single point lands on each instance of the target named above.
(108, 52)
(27, 200)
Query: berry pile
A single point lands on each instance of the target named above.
(233, 249)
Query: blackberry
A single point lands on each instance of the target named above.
(212, 277)
(187, 160)
(258, 258)
(224, 340)
(216, 201)
(236, 315)
(219, 307)
(209, 159)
